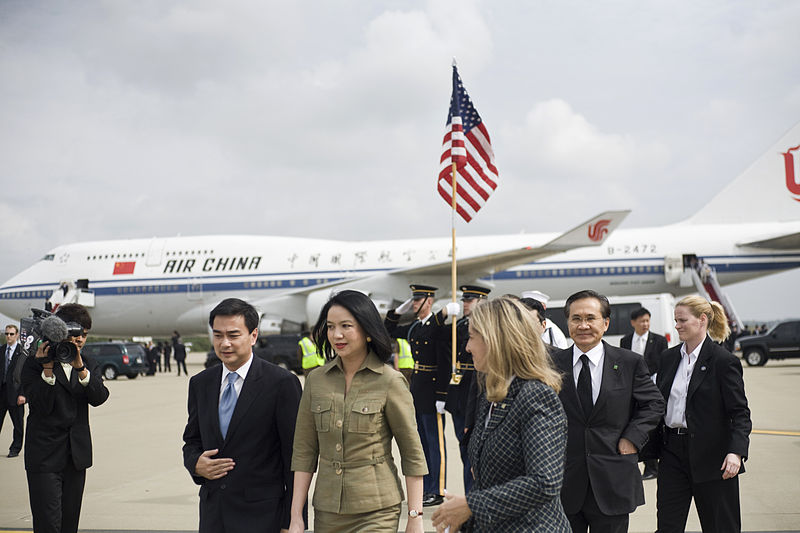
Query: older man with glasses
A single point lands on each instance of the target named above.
(11, 399)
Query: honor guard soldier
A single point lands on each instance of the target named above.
(429, 381)
(458, 391)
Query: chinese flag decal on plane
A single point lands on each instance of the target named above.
(599, 230)
(124, 267)
(792, 172)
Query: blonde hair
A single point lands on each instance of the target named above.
(718, 328)
(513, 348)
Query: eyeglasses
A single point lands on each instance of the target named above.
(579, 320)
(10, 334)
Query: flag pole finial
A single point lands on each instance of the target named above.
(454, 61)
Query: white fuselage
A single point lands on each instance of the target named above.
(174, 282)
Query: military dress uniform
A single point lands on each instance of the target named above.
(458, 393)
(428, 385)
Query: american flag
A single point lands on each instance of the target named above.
(467, 143)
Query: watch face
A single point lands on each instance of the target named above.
(413, 513)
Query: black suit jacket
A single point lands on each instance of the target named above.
(256, 495)
(58, 421)
(717, 415)
(656, 345)
(628, 405)
(13, 388)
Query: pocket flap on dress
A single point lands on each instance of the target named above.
(320, 405)
(367, 407)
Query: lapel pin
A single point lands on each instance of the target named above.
(616, 367)
(703, 368)
(502, 406)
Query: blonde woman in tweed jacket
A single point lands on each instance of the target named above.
(518, 444)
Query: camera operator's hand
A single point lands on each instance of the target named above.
(213, 468)
(41, 356)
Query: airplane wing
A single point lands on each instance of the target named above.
(592, 232)
(789, 241)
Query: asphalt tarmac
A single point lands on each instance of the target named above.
(138, 482)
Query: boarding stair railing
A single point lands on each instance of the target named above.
(707, 284)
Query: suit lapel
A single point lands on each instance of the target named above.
(501, 409)
(569, 393)
(212, 402)
(700, 367)
(61, 377)
(251, 389)
(669, 367)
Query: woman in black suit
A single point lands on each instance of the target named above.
(517, 447)
(706, 429)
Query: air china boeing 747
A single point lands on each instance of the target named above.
(154, 286)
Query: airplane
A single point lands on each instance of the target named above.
(154, 286)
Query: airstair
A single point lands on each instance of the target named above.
(705, 280)
(71, 292)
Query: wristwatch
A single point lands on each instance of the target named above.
(413, 513)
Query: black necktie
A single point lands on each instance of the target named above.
(585, 386)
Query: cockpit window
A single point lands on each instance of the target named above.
(49, 257)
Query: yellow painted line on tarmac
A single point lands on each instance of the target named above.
(773, 432)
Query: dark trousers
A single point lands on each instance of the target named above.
(56, 499)
(167, 366)
(591, 518)
(717, 501)
(458, 426)
(431, 433)
(16, 413)
(181, 363)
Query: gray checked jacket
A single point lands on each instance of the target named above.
(518, 461)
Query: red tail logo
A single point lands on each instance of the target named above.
(599, 230)
(791, 173)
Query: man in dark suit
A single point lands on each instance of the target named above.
(650, 346)
(58, 447)
(11, 398)
(239, 436)
(611, 405)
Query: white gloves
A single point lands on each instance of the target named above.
(440, 407)
(453, 308)
(404, 307)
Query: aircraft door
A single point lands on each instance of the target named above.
(155, 252)
(673, 268)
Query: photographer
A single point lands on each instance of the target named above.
(58, 447)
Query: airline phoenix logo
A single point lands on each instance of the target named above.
(598, 230)
(792, 172)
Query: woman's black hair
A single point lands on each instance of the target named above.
(363, 310)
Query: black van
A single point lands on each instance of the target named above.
(115, 358)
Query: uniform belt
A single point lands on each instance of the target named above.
(338, 465)
(676, 431)
(465, 366)
(425, 368)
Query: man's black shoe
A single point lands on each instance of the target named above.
(432, 499)
(13, 453)
(649, 475)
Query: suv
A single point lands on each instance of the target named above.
(114, 358)
(278, 349)
(780, 342)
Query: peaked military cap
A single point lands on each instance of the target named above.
(422, 291)
(470, 292)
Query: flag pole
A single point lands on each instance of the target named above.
(454, 378)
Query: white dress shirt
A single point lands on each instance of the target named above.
(638, 343)
(675, 416)
(596, 356)
(241, 372)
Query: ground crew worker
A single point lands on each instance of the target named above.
(309, 356)
(458, 393)
(429, 381)
(404, 359)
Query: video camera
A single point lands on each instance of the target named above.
(45, 326)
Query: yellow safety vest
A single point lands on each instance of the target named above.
(311, 359)
(404, 357)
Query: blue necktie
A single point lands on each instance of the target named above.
(227, 403)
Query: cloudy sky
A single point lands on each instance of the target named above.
(324, 119)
